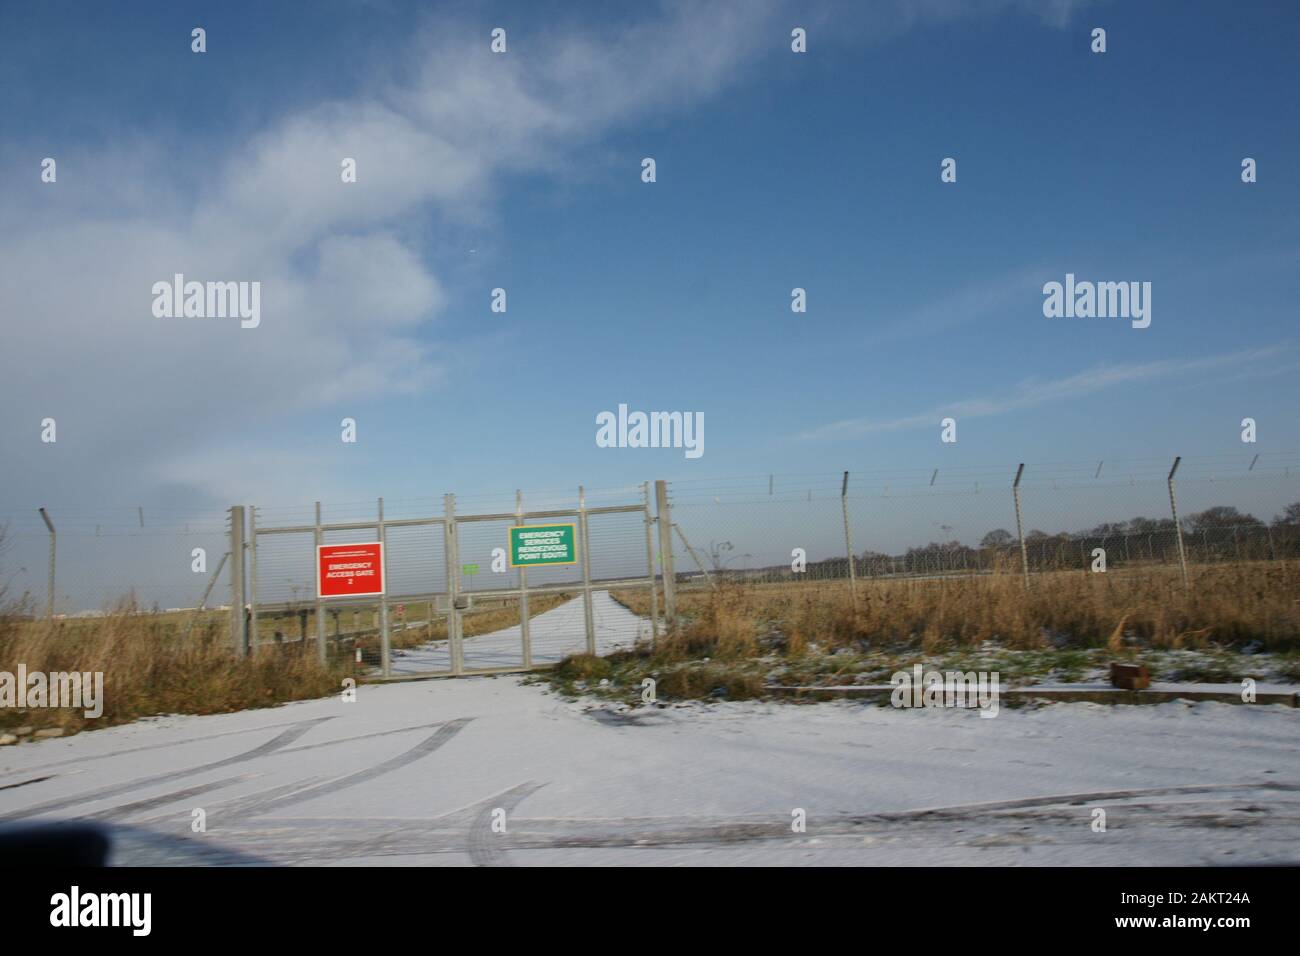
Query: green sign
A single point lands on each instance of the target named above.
(469, 568)
(535, 544)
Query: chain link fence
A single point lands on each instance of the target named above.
(149, 558)
(454, 599)
(1033, 519)
(1136, 515)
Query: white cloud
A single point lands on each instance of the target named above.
(961, 306)
(349, 295)
(1034, 391)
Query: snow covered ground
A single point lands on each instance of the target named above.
(411, 774)
(553, 634)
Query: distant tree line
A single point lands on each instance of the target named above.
(1220, 533)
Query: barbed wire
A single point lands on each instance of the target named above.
(137, 521)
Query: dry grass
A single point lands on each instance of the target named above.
(1231, 604)
(150, 667)
(734, 640)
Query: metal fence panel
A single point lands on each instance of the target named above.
(923, 523)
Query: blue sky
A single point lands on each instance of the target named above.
(522, 171)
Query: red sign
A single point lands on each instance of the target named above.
(346, 570)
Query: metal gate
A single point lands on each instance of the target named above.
(453, 603)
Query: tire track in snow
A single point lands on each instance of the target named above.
(485, 847)
(259, 804)
(278, 742)
(126, 809)
(246, 806)
(85, 758)
(308, 840)
(966, 809)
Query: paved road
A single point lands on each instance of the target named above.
(553, 634)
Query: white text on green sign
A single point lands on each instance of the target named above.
(536, 544)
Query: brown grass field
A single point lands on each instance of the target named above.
(154, 664)
(1228, 604)
(1235, 620)
(151, 667)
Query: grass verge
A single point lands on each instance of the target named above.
(1237, 620)
(151, 667)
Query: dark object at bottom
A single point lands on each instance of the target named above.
(53, 844)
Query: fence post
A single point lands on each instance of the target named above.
(203, 602)
(49, 611)
(666, 554)
(238, 633)
(1020, 526)
(524, 631)
(848, 540)
(451, 553)
(1178, 529)
(650, 562)
(385, 646)
(252, 578)
(698, 563)
(587, 613)
(321, 653)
